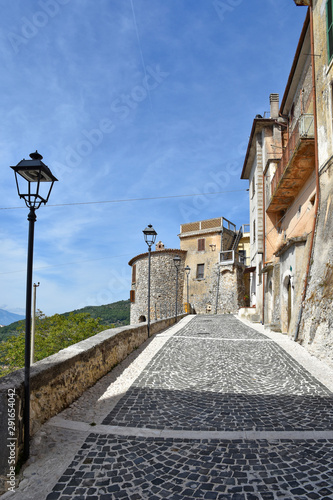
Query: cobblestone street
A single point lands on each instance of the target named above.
(210, 409)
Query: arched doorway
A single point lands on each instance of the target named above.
(270, 303)
(287, 302)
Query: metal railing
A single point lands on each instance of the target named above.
(228, 257)
(216, 223)
(237, 239)
(303, 129)
(228, 225)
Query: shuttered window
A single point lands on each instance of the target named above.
(201, 244)
(200, 271)
(132, 296)
(134, 273)
(329, 21)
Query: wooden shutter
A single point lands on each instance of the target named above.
(134, 273)
(201, 244)
(132, 296)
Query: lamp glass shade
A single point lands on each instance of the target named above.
(176, 260)
(149, 235)
(35, 172)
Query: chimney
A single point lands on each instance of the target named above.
(159, 246)
(274, 101)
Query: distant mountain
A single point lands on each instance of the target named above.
(6, 317)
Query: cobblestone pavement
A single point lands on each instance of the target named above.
(210, 409)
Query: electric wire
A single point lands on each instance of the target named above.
(132, 199)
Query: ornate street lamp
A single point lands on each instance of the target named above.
(36, 173)
(187, 271)
(176, 261)
(150, 238)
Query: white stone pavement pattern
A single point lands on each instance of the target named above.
(211, 408)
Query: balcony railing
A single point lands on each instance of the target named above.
(246, 228)
(304, 129)
(231, 256)
(217, 223)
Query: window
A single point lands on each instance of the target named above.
(201, 245)
(134, 274)
(132, 296)
(329, 17)
(254, 231)
(253, 185)
(242, 256)
(200, 271)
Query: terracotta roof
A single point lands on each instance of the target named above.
(158, 252)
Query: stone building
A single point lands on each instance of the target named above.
(314, 329)
(263, 153)
(216, 254)
(162, 284)
(290, 196)
(215, 282)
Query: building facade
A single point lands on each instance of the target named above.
(263, 153)
(163, 278)
(290, 196)
(216, 256)
(314, 329)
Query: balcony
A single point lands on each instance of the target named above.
(296, 165)
(229, 257)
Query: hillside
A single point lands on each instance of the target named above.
(117, 313)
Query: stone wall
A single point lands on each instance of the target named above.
(162, 285)
(316, 330)
(58, 380)
(231, 289)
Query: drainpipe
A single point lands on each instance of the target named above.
(218, 274)
(264, 249)
(317, 176)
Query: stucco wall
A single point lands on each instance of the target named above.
(215, 288)
(316, 329)
(316, 332)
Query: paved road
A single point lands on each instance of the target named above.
(209, 409)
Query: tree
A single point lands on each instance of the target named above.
(52, 334)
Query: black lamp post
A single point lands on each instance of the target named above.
(150, 237)
(35, 172)
(176, 261)
(187, 271)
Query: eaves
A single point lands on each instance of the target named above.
(257, 126)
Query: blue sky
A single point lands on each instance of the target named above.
(128, 99)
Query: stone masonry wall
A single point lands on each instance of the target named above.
(316, 331)
(162, 285)
(58, 380)
(231, 289)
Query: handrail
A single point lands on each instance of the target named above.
(303, 129)
(231, 256)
